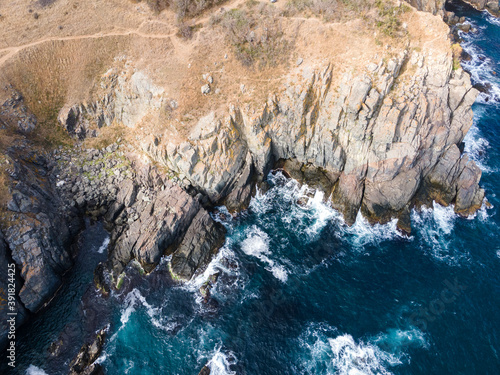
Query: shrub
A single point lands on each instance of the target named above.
(257, 37)
(185, 31)
(182, 8)
(158, 5)
(327, 9)
(388, 17)
(457, 53)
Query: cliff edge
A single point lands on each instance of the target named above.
(149, 119)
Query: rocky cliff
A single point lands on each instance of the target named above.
(436, 6)
(432, 6)
(377, 122)
(490, 5)
(377, 134)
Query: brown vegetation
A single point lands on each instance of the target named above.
(182, 8)
(107, 136)
(257, 36)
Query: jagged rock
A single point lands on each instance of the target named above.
(490, 5)
(13, 111)
(240, 196)
(83, 363)
(159, 224)
(370, 145)
(13, 304)
(131, 95)
(454, 179)
(102, 279)
(378, 139)
(202, 239)
(465, 27)
(432, 6)
(309, 174)
(469, 196)
(205, 371)
(40, 233)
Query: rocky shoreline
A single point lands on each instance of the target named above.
(379, 142)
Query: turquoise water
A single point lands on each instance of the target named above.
(299, 292)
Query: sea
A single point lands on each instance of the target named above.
(299, 291)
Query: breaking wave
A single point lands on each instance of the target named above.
(329, 352)
(221, 363)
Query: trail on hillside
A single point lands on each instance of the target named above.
(12, 51)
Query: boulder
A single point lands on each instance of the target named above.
(202, 239)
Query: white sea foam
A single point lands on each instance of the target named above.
(395, 340)
(217, 264)
(104, 245)
(436, 226)
(491, 19)
(256, 244)
(33, 370)
(221, 362)
(476, 147)
(343, 355)
(322, 212)
(480, 67)
(133, 299)
(351, 357)
(363, 233)
(315, 212)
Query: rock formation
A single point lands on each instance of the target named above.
(376, 140)
(84, 362)
(489, 5)
(378, 137)
(432, 6)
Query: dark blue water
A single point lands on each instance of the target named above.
(301, 293)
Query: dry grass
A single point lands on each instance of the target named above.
(328, 10)
(182, 8)
(107, 136)
(384, 14)
(56, 73)
(257, 36)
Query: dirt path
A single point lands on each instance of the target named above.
(8, 52)
(11, 51)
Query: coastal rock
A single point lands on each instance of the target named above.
(432, 6)
(202, 239)
(159, 223)
(453, 180)
(40, 231)
(369, 145)
(491, 5)
(6, 306)
(374, 141)
(84, 362)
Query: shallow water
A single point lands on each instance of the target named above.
(302, 293)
